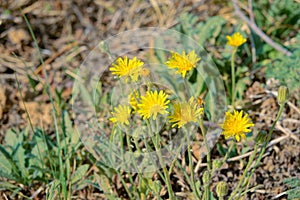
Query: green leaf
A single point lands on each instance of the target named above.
(79, 173)
(5, 164)
(11, 138)
(32, 82)
(11, 161)
(19, 156)
(81, 185)
(67, 124)
(68, 168)
(208, 30)
(9, 176)
(104, 183)
(7, 185)
(52, 191)
(38, 154)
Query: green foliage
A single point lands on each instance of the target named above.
(203, 32)
(294, 192)
(287, 70)
(277, 18)
(23, 160)
(28, 161)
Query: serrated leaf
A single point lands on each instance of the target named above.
(9, 176)
(52, 191)
(104, 183)
(7, 185)
(67, 124)
(38, 154)
(84, 93)
(79, 173)
(19, 157)
(4, 164)
(207, 31)
(11, 138)
(81, 185)
(9, 158)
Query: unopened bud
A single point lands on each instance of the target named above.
(216, 164)
(145, 72)
(283, 94)
(222, 189)
(206, 177)
(261, 137)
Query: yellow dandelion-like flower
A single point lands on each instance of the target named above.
(133, 99)
(152, 104)
(121, 115)
(184, 63)
(235, 40)
(127, 68)
(236, 125)
(185, 112)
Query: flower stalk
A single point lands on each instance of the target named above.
(233, 79)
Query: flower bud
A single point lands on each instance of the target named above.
(145, 72)
(216, 165)
(206, 177)
(283, 94)
(261, 137)
(222, 189)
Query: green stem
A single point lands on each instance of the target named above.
(245, 172)
(203, 130)
(149, 149)
(134, 163)
(227, 153)
(160, 158)
(191, 167)
(233, 78)
(175, 161)
(114, 132)
(225, 157)
(124, 184)
(265, 144)
(207, 186)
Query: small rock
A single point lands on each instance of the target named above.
(16, 36)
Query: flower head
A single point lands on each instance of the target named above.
(121, 115)
(133, 99)
(127, 68)
(236, 125)
(185, 112)
(184, 62)
(152, 104)
(235, 40)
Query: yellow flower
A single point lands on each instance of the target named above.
(235, 40)
(152, 104)
(133, 99)
(121, 115)
(185, 112)
(236, 125)
(127, 68)
(184, 62)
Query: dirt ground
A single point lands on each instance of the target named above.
(66, 31)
